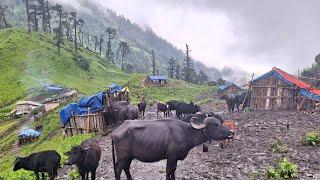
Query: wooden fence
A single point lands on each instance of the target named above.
(84, 124)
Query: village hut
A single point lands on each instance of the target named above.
(228, 88)
(28, 136)
(85, 116)
(157, 80)
(25, 107)
(116, 92)
(278, 90)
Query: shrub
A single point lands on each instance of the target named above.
(83, 63)
(312, 139)
(284, 170)
(276, 146)
(73, 174)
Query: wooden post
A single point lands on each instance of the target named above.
(244, 100)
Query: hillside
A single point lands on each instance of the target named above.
(29, 61)
(141, 41)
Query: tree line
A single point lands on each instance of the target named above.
(42, 16)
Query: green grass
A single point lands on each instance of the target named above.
(7, 124)
(28, 61)
(51, 138)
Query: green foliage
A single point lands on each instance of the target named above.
(312, 138)
(73, 174)
(277, 146)
(284, 170)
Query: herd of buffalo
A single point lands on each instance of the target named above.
(169, 138)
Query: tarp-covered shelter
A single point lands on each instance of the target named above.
(85, 105)
(228, 88)
(157, 79)
(29, 133)
(116, 92)
(28, 136)
(278, 90)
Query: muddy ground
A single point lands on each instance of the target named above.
(245, 158)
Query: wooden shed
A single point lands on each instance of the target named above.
(84, 124)
(229, 88)
(278, 90)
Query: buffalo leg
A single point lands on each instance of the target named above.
(171, 168)
(93, 175)
(127, 169)
(121, 165)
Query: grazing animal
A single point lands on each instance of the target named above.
(142, 106)
(232, 127)
(110, 115)
(117, 104)
(231, 101)
(154, 140)
(185, 109)
(132, 112)
(172, 105)
(44, 161)
(162, 108)
(242, 97)
(86, 157)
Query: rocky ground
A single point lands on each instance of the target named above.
(245, 158)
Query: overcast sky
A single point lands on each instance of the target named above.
(245, 34)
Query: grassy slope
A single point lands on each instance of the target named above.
(30, 61)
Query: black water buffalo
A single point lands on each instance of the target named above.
(154, 140)
(242, 97)
(117, 104)
(110, 115)
(162, 108)
(185, 109)
(172, 105)
(132, 112)
(86, 157)
(142, 106)
(231, 101)
(44, 161)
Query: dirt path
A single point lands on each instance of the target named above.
(245, 158)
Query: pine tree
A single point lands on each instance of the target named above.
(153, 62)
(188, 69)
(171, 67)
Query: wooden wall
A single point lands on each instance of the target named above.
(272, 94)
(84, 124)
(233, 89)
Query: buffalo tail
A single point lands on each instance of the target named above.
(113, 158)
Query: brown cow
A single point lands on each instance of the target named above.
(231, 125)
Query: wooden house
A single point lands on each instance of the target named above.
(24, 107)
(278, 90)
(229, 88)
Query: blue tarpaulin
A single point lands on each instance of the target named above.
(156, 78)
(226, 86)
(29, 133)
(94, 103)
(114, 88)
(309, 95)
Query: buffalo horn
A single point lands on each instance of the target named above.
(195, 125)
